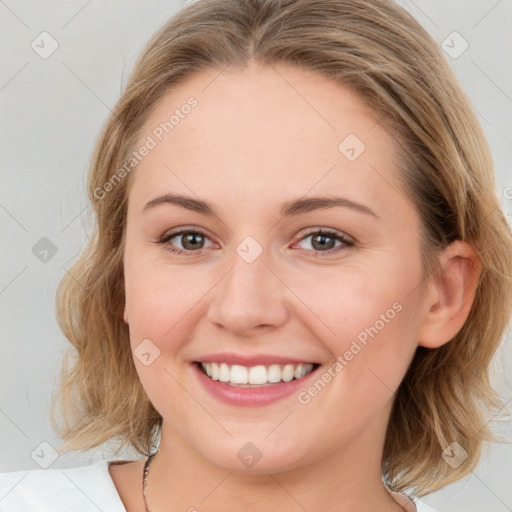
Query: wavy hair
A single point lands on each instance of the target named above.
(381, 52)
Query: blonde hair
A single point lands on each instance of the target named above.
(385, 55)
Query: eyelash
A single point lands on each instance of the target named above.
(332, 234)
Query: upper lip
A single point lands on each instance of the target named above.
(251, 360)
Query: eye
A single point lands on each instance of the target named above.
(190, 241)
(323, 242)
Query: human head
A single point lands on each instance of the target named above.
(384, 55)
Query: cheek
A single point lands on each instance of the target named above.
(374, 323)
(355, 301)
(161, 297)
(368, 319)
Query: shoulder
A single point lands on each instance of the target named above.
(84, 488)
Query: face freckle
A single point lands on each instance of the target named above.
(251, 145)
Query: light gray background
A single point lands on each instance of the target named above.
(52, 111)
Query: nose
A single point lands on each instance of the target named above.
(249, 299)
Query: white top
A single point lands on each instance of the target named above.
(81, 489)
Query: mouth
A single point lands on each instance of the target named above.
(256, 376)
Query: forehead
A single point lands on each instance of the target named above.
(262, 133)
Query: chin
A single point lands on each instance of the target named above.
(256, 458)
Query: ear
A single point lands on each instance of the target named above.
(450, 295)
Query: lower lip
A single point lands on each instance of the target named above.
(264, 395)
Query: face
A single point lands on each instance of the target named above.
(264, 278)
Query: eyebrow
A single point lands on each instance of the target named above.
(288, 209)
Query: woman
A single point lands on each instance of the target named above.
(299, 276)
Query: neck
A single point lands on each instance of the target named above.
(347, 479)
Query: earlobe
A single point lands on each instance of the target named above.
(450, 296)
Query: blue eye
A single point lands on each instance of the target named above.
(323, 242)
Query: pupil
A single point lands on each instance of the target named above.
(323, 239)
(190, 238)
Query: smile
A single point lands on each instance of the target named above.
(255, 376)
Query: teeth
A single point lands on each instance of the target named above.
(257, 375)
(288, 373)
(274, 373)
(224, 372)
(239, 374)
(244, 376)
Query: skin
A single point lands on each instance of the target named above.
(257, 138)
